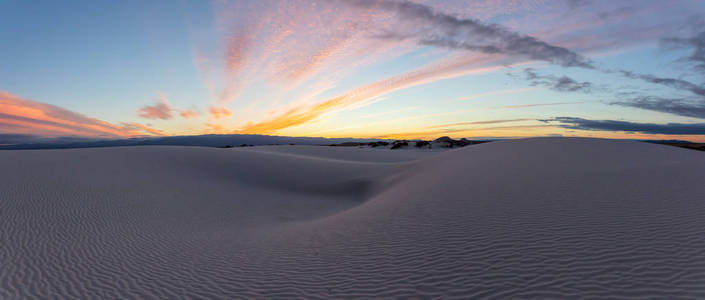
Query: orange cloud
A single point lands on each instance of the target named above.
(161, 110)
(215, 128)
(188, 114)
(142, 127)
(23, 116)
(445, 69)
(219, 112)
(289, 42)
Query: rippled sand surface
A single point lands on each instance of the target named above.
(561, 218)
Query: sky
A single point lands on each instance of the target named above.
(479, 69)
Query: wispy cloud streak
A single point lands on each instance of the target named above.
(430, 27)
(479, 123)
(23, 116)
(675, 83)
(613, 125)
(687, 107)
(303, 114)
(694, 43)
(561, 84)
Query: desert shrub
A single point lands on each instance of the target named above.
(420, 144)
(399, 144)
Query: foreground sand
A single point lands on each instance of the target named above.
(535, 218)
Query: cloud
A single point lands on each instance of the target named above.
(694, 43)
(356, 130)
(678, 84)
(164, 110)
(303, 114)
(495, 93)
(533, 105)
(215, 127)
(688, 107)
(621, 11)
(561, 84)
(612, 125)
(141, 127)
(479, 123)
(188, 114)
(235, 63)
(161, 110)
(573, 4)
(284, 41)
(429, 27)
(22, 116)
(219, 112)
(693, 106)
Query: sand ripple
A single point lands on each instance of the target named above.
(536, 218)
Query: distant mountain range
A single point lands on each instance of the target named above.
(14, 142)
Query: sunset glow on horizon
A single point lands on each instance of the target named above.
(354, 68)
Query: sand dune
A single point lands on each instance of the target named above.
(534, 218)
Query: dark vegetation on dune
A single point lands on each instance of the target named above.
(681, 144)
(442, 142)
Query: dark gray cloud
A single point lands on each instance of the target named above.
(695, 44)
(613, 125)
(561, 84)
(430, 27)
(694, 108)
(669, 82)
(607, 15)
(688, 106)
(573, 4)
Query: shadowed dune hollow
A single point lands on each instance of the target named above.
(538, 218)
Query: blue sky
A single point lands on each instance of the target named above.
(367, 68)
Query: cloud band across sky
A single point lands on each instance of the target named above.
(433, 28)
(625, 126)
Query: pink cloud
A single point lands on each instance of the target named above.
(164, 110)
(24, 116)
(161, 110)
(219, 112)
(188, 114)
(298, 50)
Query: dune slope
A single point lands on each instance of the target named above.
(534, 218)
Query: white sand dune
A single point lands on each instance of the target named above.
(536, 218)
(366, 154)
